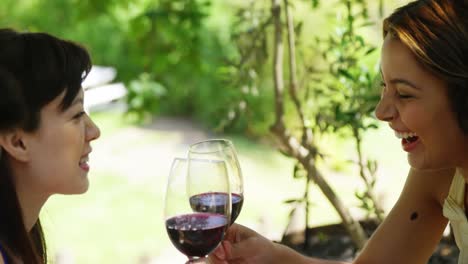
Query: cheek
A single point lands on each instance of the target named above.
(53, 159)
(58, 155)
(448, 130)
(444, 141)
(453, 139)
(414, 118)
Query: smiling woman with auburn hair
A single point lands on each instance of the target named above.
(424, 66)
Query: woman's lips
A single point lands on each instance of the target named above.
(84, 163)
(409, 144)
(84, 166)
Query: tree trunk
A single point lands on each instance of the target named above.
(304, 152)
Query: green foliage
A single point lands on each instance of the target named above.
(171, 40)
(166, 39)
(315, 3)
(247, 75)
(347, 93)
(337, 81)
(223, 81)
(346, 96)
(334, 93)
(211, 56)
(176, 43)
(144, 96)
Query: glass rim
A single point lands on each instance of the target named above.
(178, 159)
(227, 141)
(188, 160)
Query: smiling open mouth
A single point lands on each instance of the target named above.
(410, 139)
(84, 163)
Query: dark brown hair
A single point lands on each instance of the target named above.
(35, 68)
(436, 31)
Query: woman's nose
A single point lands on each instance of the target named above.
(92, 130)
(386, 110)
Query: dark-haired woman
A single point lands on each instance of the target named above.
(45, 135)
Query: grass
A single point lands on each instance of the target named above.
(119, 220)
(113, 223)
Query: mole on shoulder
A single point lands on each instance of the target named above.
(414, 216)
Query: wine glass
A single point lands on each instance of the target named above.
(222, 149)
(196, 234)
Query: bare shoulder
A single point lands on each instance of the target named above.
(414, 226)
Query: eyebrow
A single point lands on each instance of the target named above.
(400, 81)
(403, 81)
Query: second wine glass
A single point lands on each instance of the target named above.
(222, 149)
(196, 234)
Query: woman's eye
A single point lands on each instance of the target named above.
(404, 96)
(79, 115)
(383, 86)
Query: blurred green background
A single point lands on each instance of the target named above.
(178, 60)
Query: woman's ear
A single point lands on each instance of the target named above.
(12, 142)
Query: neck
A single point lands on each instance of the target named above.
(30, 208)
(30, 199)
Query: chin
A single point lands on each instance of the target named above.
(82, 188)
(419, 163)
(414, 162)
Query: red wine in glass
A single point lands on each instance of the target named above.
(196, 235)
(201, 202)
(222, 149)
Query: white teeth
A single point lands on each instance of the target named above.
(84, 160)
(405, 134)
